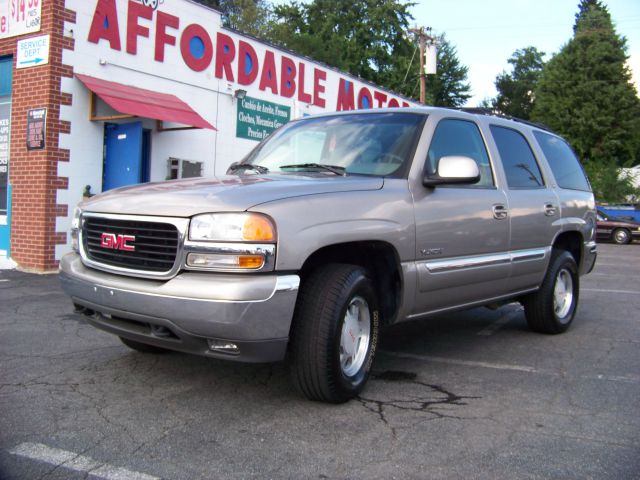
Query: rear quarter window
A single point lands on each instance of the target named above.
(564, 164)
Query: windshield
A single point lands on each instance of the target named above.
(369, 144)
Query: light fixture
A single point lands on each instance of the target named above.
(239, 94)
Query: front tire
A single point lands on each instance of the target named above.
(334, 334)
(621, 236)
(551, 309)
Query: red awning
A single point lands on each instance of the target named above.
(144, 103)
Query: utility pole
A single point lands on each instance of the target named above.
(424, 39)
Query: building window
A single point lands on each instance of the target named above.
(179, 168)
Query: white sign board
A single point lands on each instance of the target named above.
(33, 51)
(18, 17)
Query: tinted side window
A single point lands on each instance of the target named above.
(520, 165)
(565, 166)
(460, 137)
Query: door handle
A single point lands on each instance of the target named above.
(550, 209)
(500, 212)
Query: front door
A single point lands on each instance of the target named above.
(123, 163)
(462, 232)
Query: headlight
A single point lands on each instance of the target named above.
(75, 228)
(232, 227)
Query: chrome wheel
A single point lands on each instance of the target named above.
(621, 236)
(563, 294)
(354, 340)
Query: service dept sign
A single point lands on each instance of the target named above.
(18, 17)
(258, 118)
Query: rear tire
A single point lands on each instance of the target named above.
(143, 347)
(334, 334)
(552, 308)
(621, 236)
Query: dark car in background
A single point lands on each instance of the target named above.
(616, 230)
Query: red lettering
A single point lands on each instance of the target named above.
(134, 30)
(117, 242)
(393, 103)
(345, 96)
(302, 95)
(163, 21)
(318, 88)
(104, 24)
(380, 97)
(405, 105)
(195, 59)
(247, 64)
(225, 53)
(364, 98)
(287, 77)
(268, 77)
(3, 24)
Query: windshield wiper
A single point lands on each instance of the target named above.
(329, 168)
(234, 167)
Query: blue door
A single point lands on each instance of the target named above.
(123, 163)
(6, 65)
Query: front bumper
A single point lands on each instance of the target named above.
(184, 313)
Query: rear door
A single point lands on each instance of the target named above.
(534, 208)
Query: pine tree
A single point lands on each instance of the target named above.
(586, 94)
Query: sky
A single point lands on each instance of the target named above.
(486, 33)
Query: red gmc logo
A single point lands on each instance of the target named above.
(117, 242)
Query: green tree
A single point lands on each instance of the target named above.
(585, 94)
(610, 184)
(250, 16)
(369, 39)
(364, 37)
(516, 90)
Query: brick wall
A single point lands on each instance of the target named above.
(33, 174)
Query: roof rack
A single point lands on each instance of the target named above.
(493, 113)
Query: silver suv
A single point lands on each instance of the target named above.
(333, 227)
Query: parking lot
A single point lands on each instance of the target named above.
(465, 395)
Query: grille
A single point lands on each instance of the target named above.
(156, 244)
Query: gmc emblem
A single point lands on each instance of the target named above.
(118, 242)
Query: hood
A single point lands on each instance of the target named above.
(234, 193)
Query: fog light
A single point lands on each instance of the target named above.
(223, 346)
(213, 260)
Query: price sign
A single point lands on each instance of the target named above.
(18, 17)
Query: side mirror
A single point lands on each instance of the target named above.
(453, 170)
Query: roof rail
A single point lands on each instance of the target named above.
(493, 113)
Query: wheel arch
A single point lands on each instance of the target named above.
(379, 258)
(573, 242)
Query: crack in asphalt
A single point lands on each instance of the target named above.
(431, 401)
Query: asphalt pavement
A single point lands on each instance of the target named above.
(467, 395)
